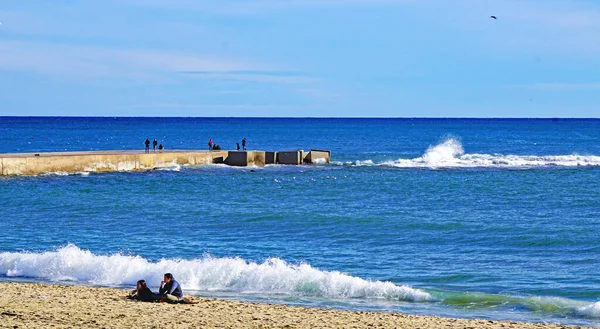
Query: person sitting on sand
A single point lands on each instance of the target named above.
(170, 290)
(143, 293)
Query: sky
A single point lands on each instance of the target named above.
(300, 58)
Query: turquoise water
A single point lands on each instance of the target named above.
(481, 218)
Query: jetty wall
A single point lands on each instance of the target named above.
(72, 162)
(107, 161)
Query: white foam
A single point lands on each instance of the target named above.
(450, 154)
(591, 310)
(64, 173)
(171, 167)
(273, 276)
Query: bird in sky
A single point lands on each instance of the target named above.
(494, 17)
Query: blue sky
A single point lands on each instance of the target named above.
(331, 58)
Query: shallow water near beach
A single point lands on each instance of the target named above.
(480, 218)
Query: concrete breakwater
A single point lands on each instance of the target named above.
(107, 161)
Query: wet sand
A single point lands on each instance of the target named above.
(26, 305)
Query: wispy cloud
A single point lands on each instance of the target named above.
(590, 86)
(260, 6)
(74, 61)
(279, 77)
(219, 110)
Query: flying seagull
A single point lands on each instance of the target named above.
(494, 17)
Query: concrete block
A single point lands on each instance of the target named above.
(237, 158)
(257, 158)
(318, 156)
(289, 157)
(270, 158)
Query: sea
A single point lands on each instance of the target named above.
(470, 218)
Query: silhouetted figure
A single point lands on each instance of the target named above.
(210, 144)
(244, 143)
(238, 146)
(154, 145)
(147, 142)
(160, 148)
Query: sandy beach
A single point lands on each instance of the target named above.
(26, 305)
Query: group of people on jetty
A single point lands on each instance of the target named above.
(211, 145)
(147, 143)
(170, 291)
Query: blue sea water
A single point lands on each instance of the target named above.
(474, 218)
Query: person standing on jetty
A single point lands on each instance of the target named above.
(244, 143)
(170, 289)
(210, 144)
(154, 145)
(238, 146)
(147, 142)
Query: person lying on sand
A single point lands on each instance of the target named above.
(170, 290)
(143, 293)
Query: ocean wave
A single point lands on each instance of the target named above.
(450, 154)
(539, 304)
(63, 173)
(273, 276)
(590, 310)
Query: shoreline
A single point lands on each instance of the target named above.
(36, 305)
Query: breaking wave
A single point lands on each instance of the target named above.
(273, 276)
(450, 154)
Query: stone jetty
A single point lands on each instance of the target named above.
(107, 161)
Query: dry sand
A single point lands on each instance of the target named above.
(25, 305)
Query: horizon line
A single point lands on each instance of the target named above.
(290, 117)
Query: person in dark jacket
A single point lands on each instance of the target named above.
(244, 143)
(154, 145)
(147, 143)
(238, 146)
(170, 290)
(143, 293)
